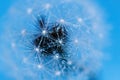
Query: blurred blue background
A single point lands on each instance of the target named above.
(111, 66)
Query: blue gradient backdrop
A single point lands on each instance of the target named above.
(111, 66)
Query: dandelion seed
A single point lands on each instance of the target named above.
(60, 41)
(13, 45)
(69, 62)
(40, 66)
(23, 32)
(56, 56)
(37, 50)
(29, 10)
(57, 73)
(25, 60)
(76, 41)
(44, 32)
(47, 6)
(62, 21)
(80, 20)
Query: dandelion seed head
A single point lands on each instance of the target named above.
(52, 37)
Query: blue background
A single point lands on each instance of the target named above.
(111, 67)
